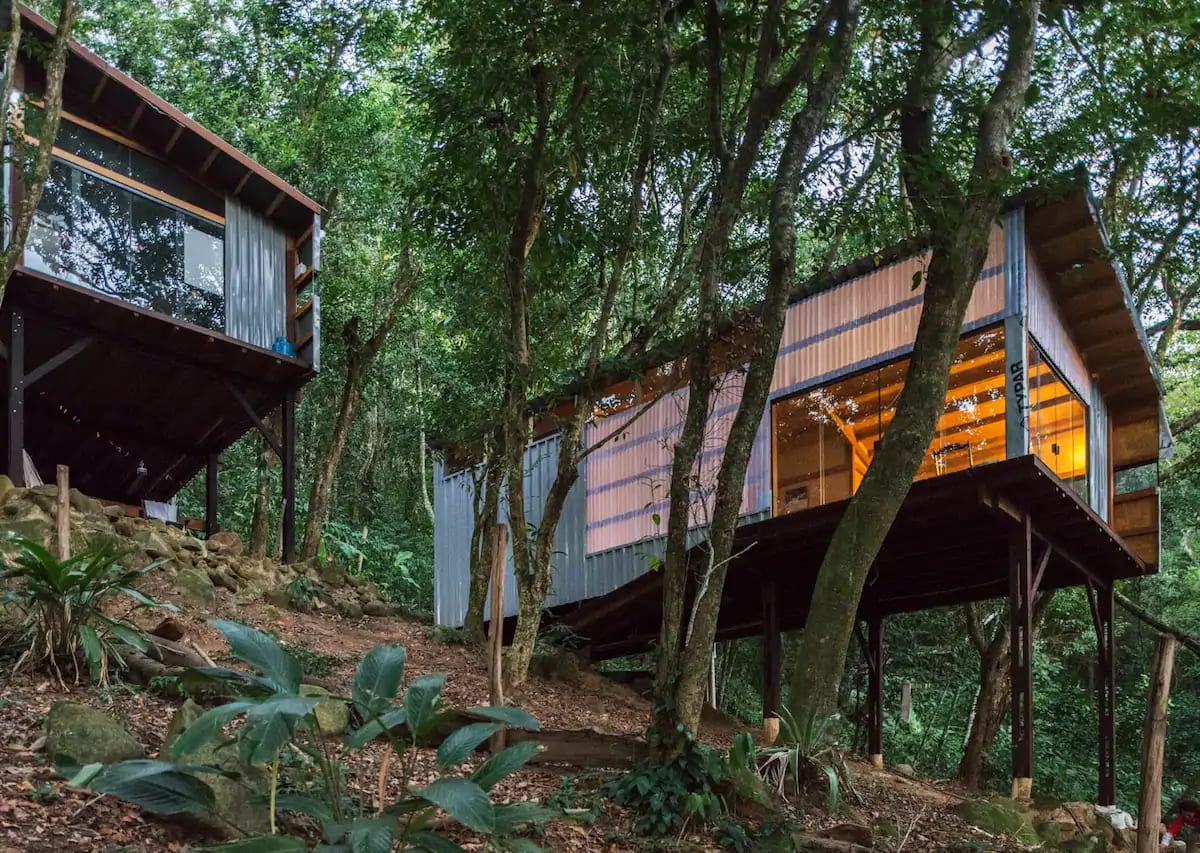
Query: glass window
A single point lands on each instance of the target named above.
(826, 438)
(101, 235)
(1057, 423)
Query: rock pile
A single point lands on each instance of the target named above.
(214, 574)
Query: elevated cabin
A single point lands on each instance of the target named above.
(166, 298)
(1042, 472)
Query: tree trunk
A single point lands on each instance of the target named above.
(960, 223)
(322, 486)
(990, 706)
(260, 521)
(1154, 736)
(481, 550)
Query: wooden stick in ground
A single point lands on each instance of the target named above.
(1153, 740)
(496, 627)
(63, 512)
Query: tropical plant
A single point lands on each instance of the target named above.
(275, 719)
(63, 602)
(806, 752)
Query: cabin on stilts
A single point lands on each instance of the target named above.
(1042, 473)
(166, 299)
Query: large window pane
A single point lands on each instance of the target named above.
(825, 439)
(96, 233)
(1057, 423)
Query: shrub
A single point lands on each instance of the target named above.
(275, 717)
(63, 605)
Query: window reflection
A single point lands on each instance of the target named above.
(1057, 423)
(108, 238)
(826, 438)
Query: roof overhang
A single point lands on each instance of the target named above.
(131, 108)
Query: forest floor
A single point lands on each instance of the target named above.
(38, 812)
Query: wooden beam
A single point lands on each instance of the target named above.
(56, 361)
(1020, 609)
(98, 89)
(255, 419)
(208, 161)
(875, 690)
(288, 460)
(242, 183)
(274, 206)
(178, 132)
(211, 494)
(772, 654)
(137, 115)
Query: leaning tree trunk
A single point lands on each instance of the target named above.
(318, 496)
(481, 548)
(990, 706)
(260, 521)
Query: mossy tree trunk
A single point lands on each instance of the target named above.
(960, 220)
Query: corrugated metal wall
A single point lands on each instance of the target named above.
(255, 277)
(454, 521)
(872, 319)
(628, 477)
(1099, 467)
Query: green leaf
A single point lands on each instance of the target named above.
(516, 718)
(263, 844)
(300, 804)
(92, 650)
(460, 744)
(521, 845)
(377, 679)
(84, 776)
(372, 729)
(262, 653)
(916, 279)
(503, 763)
(271, 723)
(421, 702)
(512, 816)
(463, 800)
(156, 786)
(431, 843)
(207, 726)
(127, 634)
(371, 835)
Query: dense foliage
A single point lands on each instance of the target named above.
(408, 121)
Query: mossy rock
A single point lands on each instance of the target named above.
(1050, 833)
(195, 588)
(1000, 817)
(333, 715)
(1085, 844)
(79, 734)
(241, 801)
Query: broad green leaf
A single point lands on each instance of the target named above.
(301, 804)
(371, 835)
(128, 634)
(372, 729)
(262, 653)
(271, 723)
(511, 816)
(520, 845)
(421, 703)
(460, 744)
(84, 776)
(156, 786)
(517, 718)
(263, 844)
(377, 679)
(207, 726)
(503, 763)
(432, 843)
(463, 800)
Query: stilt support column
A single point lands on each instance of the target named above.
(1100, 599)
(288, 456)
(16, 397)
(1020, 609)
(211, 474)
(874, 655)
(772, 652)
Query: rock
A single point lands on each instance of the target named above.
(83, 735)
(195, 588)
(356, 581)
(333, 575)
(114, 511)
(222, 578)
(1050, 833)
(154, 544)
(240, 801)
(86, 505)
(333, 715)
(1000, 817)
(906, 770)
(277, 597)
(854, 833)
(190, 543)
(348, 608)
(27, 518)
(376, 607)
(1084, 844)
(125, 527)
(556, 666)
(6, 488)
(227, 543)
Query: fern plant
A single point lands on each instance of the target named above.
(275, 719)
(64, 607)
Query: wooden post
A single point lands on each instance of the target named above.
(63, 512)
(1020, 608)
(288, 420)
(772, 653)
(211, 474)
(1107, 697)
(496, 628)
(906, 703)
(712, 678)
(16, 397)
(875, 690)
(1153, 739)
